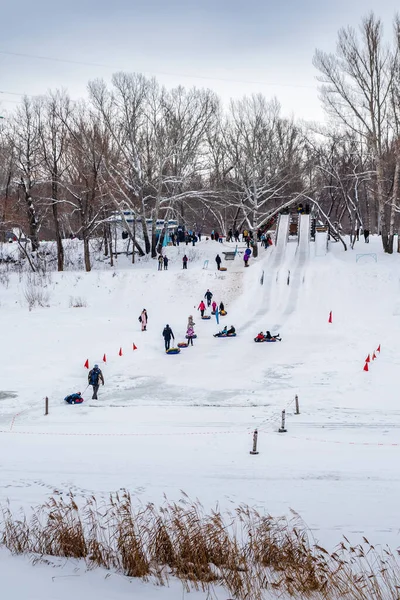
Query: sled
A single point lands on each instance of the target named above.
(224, 335)
(223, 269)
(193, 337)
(172, 351)
(223, 313)
(273, 340)
(206, 317)
(183, 345)
(73, 399)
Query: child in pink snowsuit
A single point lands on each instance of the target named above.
(214, 306)
(189, 335)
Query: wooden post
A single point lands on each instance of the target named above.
(255, 437)
(296, 398)
(282, 428)
(46, 406)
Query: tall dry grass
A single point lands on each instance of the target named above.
(252, 556)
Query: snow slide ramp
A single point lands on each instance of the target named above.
(296, 274)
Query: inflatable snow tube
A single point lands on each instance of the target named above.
(223, 313)
(206, 317)
(183, 345)
(73, 399)
(224, 335)
(193, 336)
(173, 351)
(223, 269)
(273, 340)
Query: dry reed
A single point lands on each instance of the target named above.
(252, 556)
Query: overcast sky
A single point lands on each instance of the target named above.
(235, 48)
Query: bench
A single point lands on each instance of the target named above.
(229, 255)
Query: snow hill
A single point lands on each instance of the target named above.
(163, 424)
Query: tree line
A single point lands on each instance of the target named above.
(66, 167)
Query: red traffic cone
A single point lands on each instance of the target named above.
(330, 317)
(374, 356)
(86, 365)
(120, 352)
(134, 346)
(366, 367)
(367, 360)
(378, 348)
(105, 358)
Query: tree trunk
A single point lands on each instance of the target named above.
(86, 251)
(54, 206)
(395, 194)
(33, 222)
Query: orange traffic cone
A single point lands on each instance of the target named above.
(367, 360)
(120, 352)
(374, 356)
(378, 348)
(366, 367)
(330, 317)
(86, 365)
(134, 346)
(104, 358)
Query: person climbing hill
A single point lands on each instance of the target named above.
(167, 335)
(208, 295)
(201, 308)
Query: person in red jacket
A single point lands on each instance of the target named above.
(201, 308)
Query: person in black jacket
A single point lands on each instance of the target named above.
(218, 261)
(94, 377)
(167, 335)
(208, 295)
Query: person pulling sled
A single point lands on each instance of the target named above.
(167, 335)
(95, 376)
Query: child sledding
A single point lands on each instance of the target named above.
(231, 332)
(268, 337)
(74, 398)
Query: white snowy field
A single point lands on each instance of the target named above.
(163, 424)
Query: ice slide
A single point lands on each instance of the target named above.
(296, 273)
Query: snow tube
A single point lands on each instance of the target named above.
(223, 313)
(224, 335)
(182, 345)
(206, 317)
(193, 336)
(273, 340)
(74, 399)
(258, 340)
(223, 269)
(173, 351)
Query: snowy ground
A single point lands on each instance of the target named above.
(163, 424)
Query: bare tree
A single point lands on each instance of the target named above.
(356, 92)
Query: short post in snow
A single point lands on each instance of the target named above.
(296, 399)
(46, 406)
(255, 438)
(282, 428)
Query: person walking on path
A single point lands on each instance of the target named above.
(160, 262)
(218, 261)
(167, 335)
(95, 376)
(208, 295)
(366, 236)
(246, 260)
(185, 261)
(143, 319)
(166, 260)
(201, 308)
(190, 335)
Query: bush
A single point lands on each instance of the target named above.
(77, 302)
